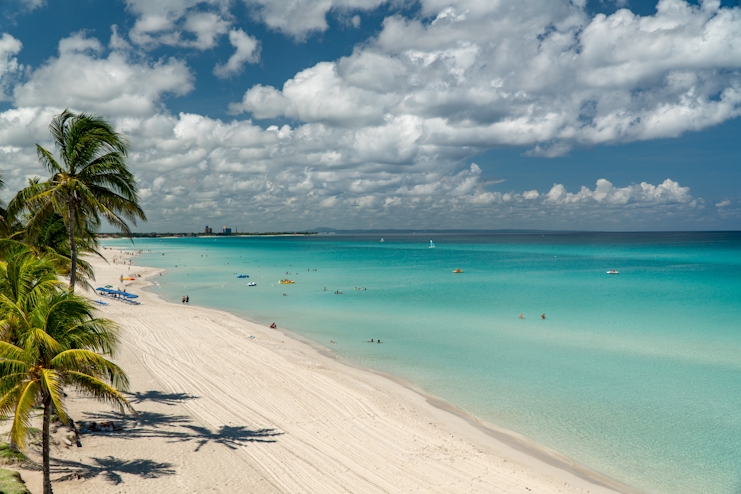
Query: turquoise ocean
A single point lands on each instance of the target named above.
(636, 375)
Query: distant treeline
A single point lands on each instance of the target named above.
(199, 234)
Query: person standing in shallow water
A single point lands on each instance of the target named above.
(187, 300)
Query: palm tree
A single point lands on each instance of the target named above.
(25, 278)
(91, 182)
(60, 344)
(50, 239)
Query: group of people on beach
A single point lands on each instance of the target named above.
(186, 299)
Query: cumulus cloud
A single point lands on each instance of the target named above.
(300, 18)
(186, 23)
(539, 73)
(193, 169)
(9, 47)
(668, 192)
(318, 94)
(247, 51)
(84, 78)
(283, 176)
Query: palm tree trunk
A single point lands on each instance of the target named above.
(45, 445)
(72, 248)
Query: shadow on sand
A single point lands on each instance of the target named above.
(159, 397)
(180, 428)
(171, 427)
(111, 469)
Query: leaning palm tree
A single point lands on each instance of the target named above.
(92, 181)
(24, 279)
(60, 344)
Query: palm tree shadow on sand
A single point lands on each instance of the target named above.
(230, 436)
(171, 427)
(111, 469)
(156, 396)
(180, 428)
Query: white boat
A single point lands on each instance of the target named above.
(432, 244)
(612, 271)
(251, 283)
(381, 239)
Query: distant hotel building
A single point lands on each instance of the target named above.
(207, 230)
(226, 231)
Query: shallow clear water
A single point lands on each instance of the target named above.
(636, 375)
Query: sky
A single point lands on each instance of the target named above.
(283, 115)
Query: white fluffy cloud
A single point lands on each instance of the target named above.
(179, 22)
(9, 47)
(299, 18)
(247, 51)
(81, 78)
(539, 73)
(194, 170)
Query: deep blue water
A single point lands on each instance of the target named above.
(636, 375)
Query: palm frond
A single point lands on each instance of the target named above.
(52, 385)
(99, 390)
(22, 419)
(92, 364)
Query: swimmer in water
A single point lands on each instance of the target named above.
(521, 316)
(542, 316)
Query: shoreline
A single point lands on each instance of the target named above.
(502, 435)
(516, 441)
(447, 449)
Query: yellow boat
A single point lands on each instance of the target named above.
(457, 270)
(287, 282)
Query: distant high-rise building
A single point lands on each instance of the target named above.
(226, 231)
(207, 230)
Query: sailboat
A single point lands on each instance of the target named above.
(432, 244)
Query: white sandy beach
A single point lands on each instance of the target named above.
(221, 411)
